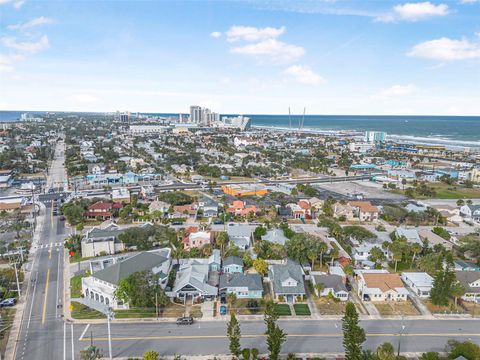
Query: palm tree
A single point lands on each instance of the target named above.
(222, 240)
(415, 248)
(386, 352)
(397, 252)
(231, 299)
(321, 249)
(457, 290)
(312, 255)
(319, 287)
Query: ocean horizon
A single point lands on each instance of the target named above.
(462, 131)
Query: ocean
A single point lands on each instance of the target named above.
(462, 131)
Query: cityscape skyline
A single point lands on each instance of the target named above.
(334, 57)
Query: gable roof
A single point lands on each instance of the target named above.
(275, 236)
(140, 262)
(334, 282)
(233, 260)
(195, 275)
(382, 281)
(465, 278)
(278, 273)
(251, 281)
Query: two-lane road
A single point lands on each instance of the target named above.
(304, 336)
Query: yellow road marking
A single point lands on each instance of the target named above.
(44, 314)
(50, 253)
(170, 337)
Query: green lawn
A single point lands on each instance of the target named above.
(445, 191)
(135, 313)
(282, 310)
(302, 309)
(81, 311)
(76, 285)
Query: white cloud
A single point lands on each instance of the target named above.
(414, 12)
(84, 99)
(17, 4)
(446, 49)
(216, 34)
(26, 47)
(7, 62)
(271, 50)
(42, 20)
(304, 75)
(250, 33)
(395, 91)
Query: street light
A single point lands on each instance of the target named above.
(400, 340)
(109, 317)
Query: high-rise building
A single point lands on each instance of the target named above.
(374, 136)
(195, 114)
(125, 117)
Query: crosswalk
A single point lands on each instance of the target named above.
(50, 245)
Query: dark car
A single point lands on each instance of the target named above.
(177, 222)
(185, 320)
(223, 299)
(218, 222)
(62, 218)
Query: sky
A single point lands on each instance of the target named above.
(364, 57)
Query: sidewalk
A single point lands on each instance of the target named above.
(13, 338)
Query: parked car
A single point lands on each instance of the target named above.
(177, 222)
(8, 302)
(223, 310)
(185, 320)
(218, 222)
(62, 218)
(223, 298)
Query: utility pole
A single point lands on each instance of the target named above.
(16, 276)
(156, 303)
(400, 340)
(109, 316)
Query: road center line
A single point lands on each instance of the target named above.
(83, 333)
(330, 335)
(44, 313)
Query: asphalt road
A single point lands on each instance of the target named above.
(42, 327)
(304, 336)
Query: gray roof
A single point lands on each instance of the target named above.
(195, 275)
(252, 281)
(98, 233)
(275, 236)
(239, 230)
(467, 277)
(233, 260)
(140, 262)
(329, 281)
(278, 273)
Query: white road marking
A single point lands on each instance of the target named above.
(73, 350)
(58, 276)
(64, 340)
(83, 333)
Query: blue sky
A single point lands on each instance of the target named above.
(334, 57)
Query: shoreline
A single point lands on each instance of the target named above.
(421, 140)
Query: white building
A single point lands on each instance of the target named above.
(102, 285)
(374, 136)
(148, 129)
(420, 282)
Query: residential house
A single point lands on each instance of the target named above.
(285, 212)
(195, 238)
(232, 264)
(192, 281)
(420, 282)
(181, 211)
(240, 235)
(121, 195)
(330, 285)
(244, 286)
(287, 281)
(147, 192)
(239, 207)
(96, 169)
(470, 280)
(434, 239)
(102, 285)
(160, 206)
(102, 241)
(102, 209)
(470, 211)
(462, 265)
(343, 210)
(410, 234)
(209, 207)
(381, 286)
(6, 178)
(275, 236)
(361, 252)
(364, 210)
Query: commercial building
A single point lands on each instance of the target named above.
(245, 190)
(374, 136)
